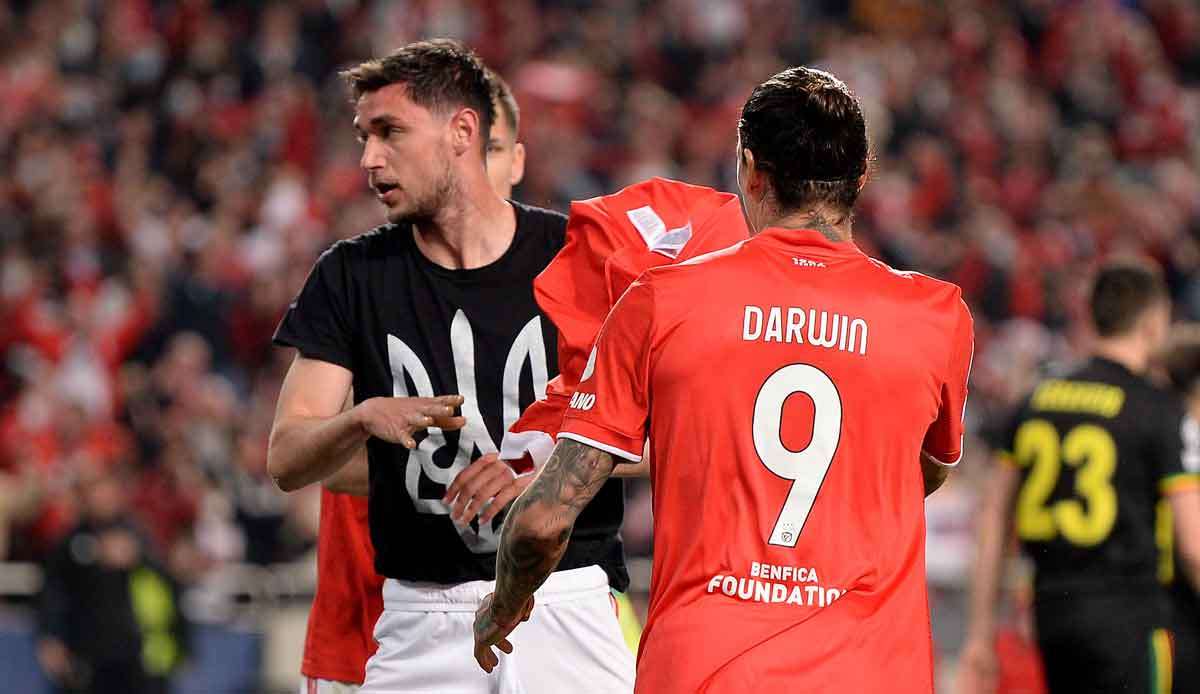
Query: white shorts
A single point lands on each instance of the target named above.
(312, 685)
(571, 643)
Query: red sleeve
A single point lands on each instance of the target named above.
(609, 409)
(943, 441)
(611, 241)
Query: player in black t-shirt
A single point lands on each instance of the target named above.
(1180, 568)
(431, 312)
(1084, 462)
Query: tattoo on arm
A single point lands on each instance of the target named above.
(540, 522)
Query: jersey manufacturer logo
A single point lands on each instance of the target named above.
(422, 468)
(805, 262)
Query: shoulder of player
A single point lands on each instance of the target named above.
(363, 246)
(919, 281)
(541, 222)
(943, 298)
(1151, 398)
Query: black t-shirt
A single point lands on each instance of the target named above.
(408, 327)
(1095, 448)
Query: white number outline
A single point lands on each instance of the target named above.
(797, 466)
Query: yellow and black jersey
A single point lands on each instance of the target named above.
(1096, 449)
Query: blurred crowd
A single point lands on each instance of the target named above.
(170, 170)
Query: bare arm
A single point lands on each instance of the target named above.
(935, 473)
(978, 669)
(1185, 509)
(312, 437)
(540, 522)
(626, 470)
(534, 539)
(353, 478)
(638, 469)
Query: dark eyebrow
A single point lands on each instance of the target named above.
(378, 122)
(385, 121)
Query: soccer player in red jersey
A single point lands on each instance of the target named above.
(800, 400)
(349, 600)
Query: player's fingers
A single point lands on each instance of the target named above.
(505, 645)
(449, 423)
(481, 657)
(468, 477)
(462, 480)
(437, 401)
(472, 496)
(502, 499)
(420, 420)
(485, 486)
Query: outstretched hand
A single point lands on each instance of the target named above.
(397, 420)
(491, 632)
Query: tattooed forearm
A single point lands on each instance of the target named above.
(540, 522)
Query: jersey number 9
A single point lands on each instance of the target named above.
(805, 468)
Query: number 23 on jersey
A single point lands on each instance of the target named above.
(1087, 517)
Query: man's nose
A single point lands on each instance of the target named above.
(372, 155)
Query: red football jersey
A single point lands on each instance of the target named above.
(349, 599)
(611, 240)
(788, 386)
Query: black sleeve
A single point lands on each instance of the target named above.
(318, 322)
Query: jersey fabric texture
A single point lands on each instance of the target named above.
(788, 386)
(1096, 448)
(611, 240)
(405, 326)
(348, 599)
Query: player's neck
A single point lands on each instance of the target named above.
(474, 230)
(1126, 351)
(833, 227)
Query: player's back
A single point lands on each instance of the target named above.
(1091, 446)
(794, 383)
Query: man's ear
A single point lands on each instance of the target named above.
(464, 130)
(755, 180)
(518, 164)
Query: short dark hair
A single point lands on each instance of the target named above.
(807, 132)
(1122, 291)
(1182, 359)
(438, 74)
(502, 96)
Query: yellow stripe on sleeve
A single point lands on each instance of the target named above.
(1182, 482)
